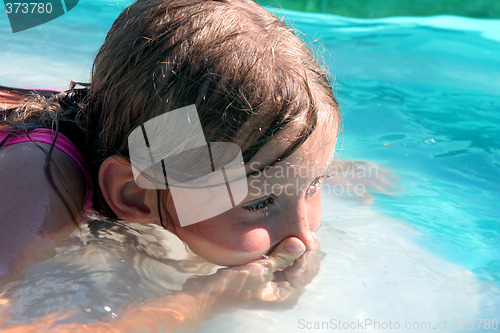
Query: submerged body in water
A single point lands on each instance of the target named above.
(101, 269)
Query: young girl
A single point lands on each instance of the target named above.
(250, 81)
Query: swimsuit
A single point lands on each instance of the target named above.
(62, 143)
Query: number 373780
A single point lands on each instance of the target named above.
(28, 8)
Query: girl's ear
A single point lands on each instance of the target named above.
(126, 199)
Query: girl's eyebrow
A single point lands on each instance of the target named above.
(291, 149)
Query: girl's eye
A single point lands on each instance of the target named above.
(259, 206)
(314, 187)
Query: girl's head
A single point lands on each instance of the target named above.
(254, 83)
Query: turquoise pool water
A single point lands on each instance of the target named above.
(420, 97)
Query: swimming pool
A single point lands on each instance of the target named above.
(420, 97)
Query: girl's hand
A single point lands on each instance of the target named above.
(275, 281)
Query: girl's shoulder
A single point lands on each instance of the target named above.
(36, 203)
(52, 144)
(42, 156)
(24, 170)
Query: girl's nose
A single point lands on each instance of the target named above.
(303, 223)
(306, 235)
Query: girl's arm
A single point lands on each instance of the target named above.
(273, 282)
(33, 216)
(270, 282)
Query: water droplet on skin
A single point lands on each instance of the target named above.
(107, 308)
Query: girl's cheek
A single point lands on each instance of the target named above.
(257, 240)
(240, 238)
(242, 249)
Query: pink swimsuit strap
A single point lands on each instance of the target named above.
(62, 143)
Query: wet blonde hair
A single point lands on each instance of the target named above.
(239, 64)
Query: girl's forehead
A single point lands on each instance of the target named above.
(315, 152)
(296, 173)
(305, 162)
